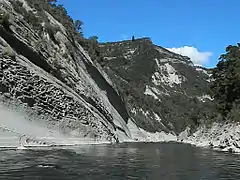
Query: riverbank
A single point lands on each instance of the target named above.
(220, 137)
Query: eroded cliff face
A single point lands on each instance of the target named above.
(45, 69)
(163, 90)
(55, 78)
(167, 95)
(51, 88)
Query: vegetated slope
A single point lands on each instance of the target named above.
(49, 69)
(162, 90)
(44, 68)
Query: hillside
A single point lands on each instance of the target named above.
(59, 88)
(162, 90)
(49, 73)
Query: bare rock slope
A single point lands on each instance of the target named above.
(38, 70)
(141, 91)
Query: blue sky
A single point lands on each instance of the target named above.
(199, 28)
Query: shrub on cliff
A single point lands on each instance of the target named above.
(8, 52)
(78, 26)
(51, 30)
(18, 7)
(4, 18)
(31, 18)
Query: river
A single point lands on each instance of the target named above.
(153, 161)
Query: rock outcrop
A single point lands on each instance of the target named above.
(219, 136)
(162, 89)
(56, 78)
(124, 91)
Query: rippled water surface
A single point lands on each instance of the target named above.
(125, 161)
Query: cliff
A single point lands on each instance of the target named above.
(58, 88)
(52, 76)
(162, 90)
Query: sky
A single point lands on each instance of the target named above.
(200, 29)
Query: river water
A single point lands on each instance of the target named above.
(153, 161)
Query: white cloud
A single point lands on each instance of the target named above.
(124, 36)
(197, 57)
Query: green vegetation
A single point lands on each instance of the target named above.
(8, 52)
(133, 38)
(182, 108)
(51, 30)
(226, 85)
(94, 50)
(4, 18)
(78, 26)
(31, 18)
(132, 70)
(74, 29)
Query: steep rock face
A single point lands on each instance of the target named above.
(142, 92)
(56, 78)
(162, 89)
